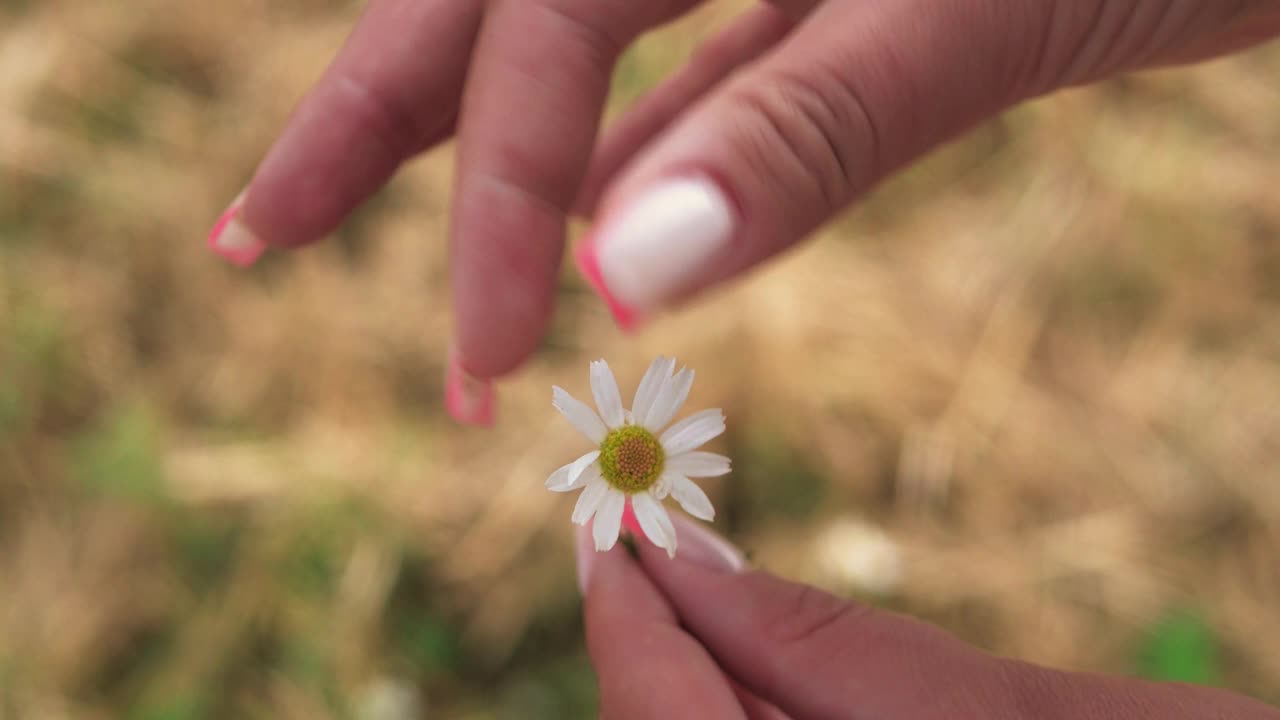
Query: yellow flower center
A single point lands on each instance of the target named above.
(631, 459)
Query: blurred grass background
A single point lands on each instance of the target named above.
(1029, 390)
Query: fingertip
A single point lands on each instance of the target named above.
(636, 644)
(614, 579)
(628, 319)
(232, 240)
(657, 248)
(584, 554)
(630, 522)
(704, 547)
(701, 551)
(468, 400)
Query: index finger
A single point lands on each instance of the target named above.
(647, 667)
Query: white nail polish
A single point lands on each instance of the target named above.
(236, 238)
(232, 240)
(654, 248)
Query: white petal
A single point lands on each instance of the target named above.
(582, 463)
(662, 488)
(590, 474)
(669, 400)
(605, 389)
(692, 432)
(589, 500)
(655, 522)
(698, 464)
(559, 480)
(692, 498)
(583, 418)
(654, 378)
(572, 476)
(608, 519)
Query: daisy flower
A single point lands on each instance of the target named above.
(632, 461)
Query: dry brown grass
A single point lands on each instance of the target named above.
(1046, 362)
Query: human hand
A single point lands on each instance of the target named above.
(776, 124)
(699, 636)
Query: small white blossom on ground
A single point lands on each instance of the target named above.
(389, 698)
(632, 462)
(861, 556)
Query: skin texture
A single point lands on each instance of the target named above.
(797, 108)
(677, 638)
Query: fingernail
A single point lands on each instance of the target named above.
(701, 546)
(584, 549)
(649, 252)
(626, 317)
(630, 521)
(232, 240)
(469, 400)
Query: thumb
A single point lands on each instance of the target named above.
(814, 655)
(857, 90)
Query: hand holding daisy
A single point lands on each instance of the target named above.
(632, 462)
(701, 636)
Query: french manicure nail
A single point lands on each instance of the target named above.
(627, 318)
(468, 399)
(701, 546)
(648, 252)
(231, 239)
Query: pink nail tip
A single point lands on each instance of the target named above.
(627, 318)
(231, 240)
(468, 400)
(629, 520)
